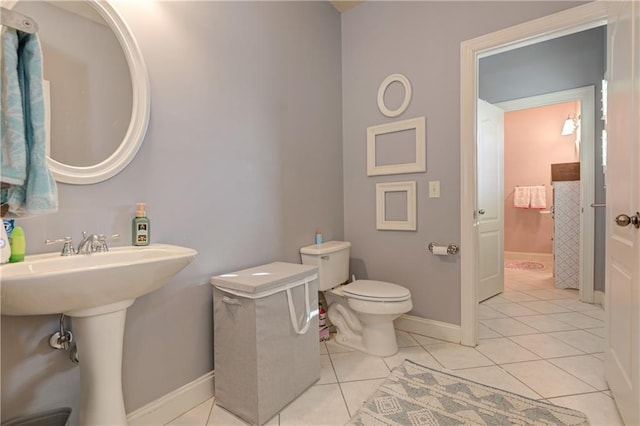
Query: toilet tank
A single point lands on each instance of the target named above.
(332, 260)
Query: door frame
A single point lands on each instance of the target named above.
(570, 21)
(586, 97)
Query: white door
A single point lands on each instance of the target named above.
(490, 213)
(622, 305)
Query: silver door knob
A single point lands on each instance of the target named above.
(481, 211)
(624, 220)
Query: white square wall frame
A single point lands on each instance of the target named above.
(417, 124)
(381, 217)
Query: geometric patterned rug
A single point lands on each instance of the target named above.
(416, 395)
(523, 264)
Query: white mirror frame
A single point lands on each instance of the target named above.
(383, 88)
(381, 206)
(140, 110)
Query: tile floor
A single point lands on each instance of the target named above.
(535, 340)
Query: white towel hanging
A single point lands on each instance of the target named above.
(538, 197)
(522, 197)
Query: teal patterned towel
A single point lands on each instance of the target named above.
(23, 161)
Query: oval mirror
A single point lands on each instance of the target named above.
(96, 85)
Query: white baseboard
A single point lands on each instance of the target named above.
(429, 328)
(598, 298)
(175, 403)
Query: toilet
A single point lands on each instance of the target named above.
(363, 310)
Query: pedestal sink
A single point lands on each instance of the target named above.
(95, 290)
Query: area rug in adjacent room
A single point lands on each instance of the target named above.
(416, 395)
(523, 264)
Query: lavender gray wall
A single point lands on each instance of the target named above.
(422, 41)
(568, 62)
(242, 162)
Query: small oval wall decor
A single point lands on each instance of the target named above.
(383, 88)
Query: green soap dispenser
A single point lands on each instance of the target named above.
(140, 227)
(17, 245)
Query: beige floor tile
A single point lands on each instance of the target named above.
(356, 393)
(319, 405)
(508, 326)
(485, 312)
(350, 366)
(546, 346)
(518, 286)
(221, 417)
(453, 356)
(587, 368)
(576, 305)
(586, 342)
(503, 350)
(495, 300)
(197, 416)
(323, 349)
(517, 296)
(544, 307)
(334, 348)
(599, 408)
(405, 339)
(578, 320)
(597, 314)
(570, 293)
(426, 341)
(544, 324)
(416, 354)
(485, 332)
(513, 309)
(600, 331)
(327, 375)
(546, 294)
(546, 379)
(498, 378)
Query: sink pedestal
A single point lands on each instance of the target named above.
(99, 336)
(95, 291)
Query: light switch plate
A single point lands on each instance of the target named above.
(434, 189)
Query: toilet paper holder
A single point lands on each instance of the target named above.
(451, 248)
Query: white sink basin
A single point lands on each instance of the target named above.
(96, 291)
(77, 285)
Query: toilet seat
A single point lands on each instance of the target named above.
(376, 291)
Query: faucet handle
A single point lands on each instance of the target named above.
(67, 248)
(102, 242)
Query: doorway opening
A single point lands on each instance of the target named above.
(559, 169)
(568, 22)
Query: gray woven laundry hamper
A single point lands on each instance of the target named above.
(265, 338)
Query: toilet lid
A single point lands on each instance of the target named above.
(376, 290)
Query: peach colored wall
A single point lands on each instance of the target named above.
(532, 142)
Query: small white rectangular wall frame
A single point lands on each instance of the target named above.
(417, 124)
(381, 206)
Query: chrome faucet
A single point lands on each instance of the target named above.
(91, 243)
(95, 243)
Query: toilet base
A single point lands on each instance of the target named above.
(379, 336)
(353, 342)
(371, 334)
